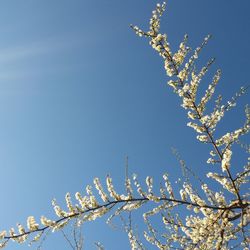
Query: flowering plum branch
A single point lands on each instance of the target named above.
(216, 219)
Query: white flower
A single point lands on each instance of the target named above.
(225, 163)
(31, 223)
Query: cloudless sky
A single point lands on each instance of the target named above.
(79, 91)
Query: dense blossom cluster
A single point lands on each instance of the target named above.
(215, 219)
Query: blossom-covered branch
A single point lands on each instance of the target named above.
(90, 207)
(213, 219)
(185, 82)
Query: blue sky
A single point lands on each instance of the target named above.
(79, 91)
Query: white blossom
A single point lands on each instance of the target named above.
(225, 163)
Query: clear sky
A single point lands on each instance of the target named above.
(79, 91)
